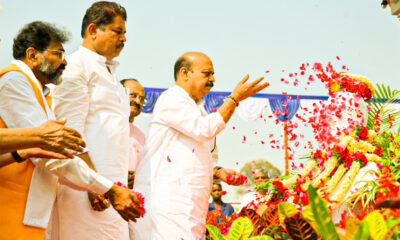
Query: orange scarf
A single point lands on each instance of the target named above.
(14, 186)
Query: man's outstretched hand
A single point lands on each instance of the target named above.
(246, 89)
(231, 177)
(122, 200)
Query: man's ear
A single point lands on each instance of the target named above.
(32, 56)
(92, 30)
(184, 72)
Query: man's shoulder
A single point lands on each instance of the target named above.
(13, 77)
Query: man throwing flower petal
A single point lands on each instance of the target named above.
(176, 171)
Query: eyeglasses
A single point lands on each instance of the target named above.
(135, 95)
(61, 53)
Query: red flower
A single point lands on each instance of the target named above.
(279, 186)
(304, 198)
(340, 149)
(363, 133)
(378, 150)
(361, 157)
(318, 154)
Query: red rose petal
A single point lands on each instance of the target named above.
(168, 159)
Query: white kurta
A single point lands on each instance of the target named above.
(97, 105)
(19, 108)
(175, 172)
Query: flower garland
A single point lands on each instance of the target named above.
(338, 164)
(352, 83)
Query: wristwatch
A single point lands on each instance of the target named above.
(17, 157)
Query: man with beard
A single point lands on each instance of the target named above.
(97, 105)
(28, 187)
(176, 171)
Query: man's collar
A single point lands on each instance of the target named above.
(112, 64)
(199, 102)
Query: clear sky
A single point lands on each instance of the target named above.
(240, 37)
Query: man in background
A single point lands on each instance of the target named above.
(259, 177)
(217, 203)
(136, 136)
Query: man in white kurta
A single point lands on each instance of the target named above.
(39, 53)
(176, 170)
(97, 105)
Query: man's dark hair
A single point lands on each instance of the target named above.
(218, 184)
(102, 13)
(127, 79)
(37, 35)
(180, 63)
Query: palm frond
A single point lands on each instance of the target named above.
(390, 117)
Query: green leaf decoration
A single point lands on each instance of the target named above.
(271, 230)
(362, 232)
(261, 238)
(390, 232)
(384, 96)
(352, 224)
(308, 214)
(241, 229)
(270, 216)
(377, 225)
(252, 215)
(286, 210)
(299, 229)
(214, 232)
(325, 226)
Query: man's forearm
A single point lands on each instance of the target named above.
(12, 139)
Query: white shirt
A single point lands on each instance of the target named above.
(19, 108)
(248, 198)
(97, 105)
(175, 172)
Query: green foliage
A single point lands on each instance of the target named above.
(352, 224)
(391, 233)
(270, 216)
(286, 210)
(241, 229)
(384, 96)
(270, 230)
(377, 225)
(308, 214)
(325, 226)
(362, 232)
(299, 229)
(214, 232)
(261, 238)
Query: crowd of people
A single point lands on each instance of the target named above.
(69, 147)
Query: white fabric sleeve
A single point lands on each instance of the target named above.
(70, 99)
(186, 118)
(75, 174)
(19, 109)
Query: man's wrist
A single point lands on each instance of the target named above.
(19, 158)
(232, 98)
(216, 172)
(110, 192)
